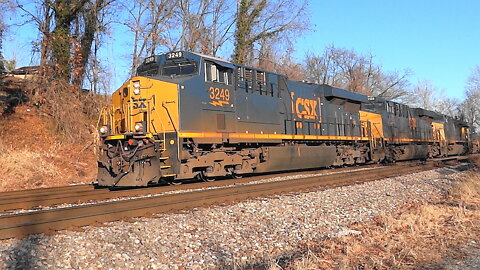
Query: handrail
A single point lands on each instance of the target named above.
(163, 128)
(105, 116)
(168, 113)
(375, 125)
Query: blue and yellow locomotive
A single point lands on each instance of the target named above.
(187, 115)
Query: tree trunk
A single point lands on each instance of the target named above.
(87, 41)
(45, 31)
(65, 13)
(241, 33)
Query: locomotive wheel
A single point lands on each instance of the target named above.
(233, 174)
(204, 178)
(236, 176)
(175, 182)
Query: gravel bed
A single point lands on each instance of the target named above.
(229, 236)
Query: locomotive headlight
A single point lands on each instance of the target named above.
(136, 87)
(103, 130)
(139, 127)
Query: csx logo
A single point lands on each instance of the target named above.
(303, 107)
(140, 105)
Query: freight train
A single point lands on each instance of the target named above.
(187, 115)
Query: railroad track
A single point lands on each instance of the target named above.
(48, 197)
(14, 225)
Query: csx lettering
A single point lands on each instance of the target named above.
(219, 96)
(304, 108)
(140, 105)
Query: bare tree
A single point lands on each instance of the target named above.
(219, 28)
(391, 85)
(470, 108)
(90, 18)
(65, 13)
(138, 11)
(261, 19)
(424, 95)
(448, 106)
(346, 69)
(148, 22)
(193, 15)
(274, 57)
(5, 6)
(67, 32)
(285, 65)
(206, 25)
(42, 16)
(91, 28)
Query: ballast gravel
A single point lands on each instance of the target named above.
(251, 232)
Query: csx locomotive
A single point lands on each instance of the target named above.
(187, 115)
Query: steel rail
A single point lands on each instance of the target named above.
(62, 218)
(49, 190)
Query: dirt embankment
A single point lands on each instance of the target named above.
(48, 137)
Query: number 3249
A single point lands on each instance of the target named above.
(219, 94)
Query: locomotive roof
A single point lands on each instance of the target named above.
(330, 91)
(212, 57)
(227, 63)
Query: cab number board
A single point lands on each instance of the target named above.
(150, 59)
(174, 55)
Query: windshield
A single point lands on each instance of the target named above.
(147, 70)
(179, 68)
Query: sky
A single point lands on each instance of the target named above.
(437, 40)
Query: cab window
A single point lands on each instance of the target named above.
(217, 73)
(179, 68)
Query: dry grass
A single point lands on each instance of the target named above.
(25, 169)
(419, 235)
(466, 192)
(33, 155)
(59, 165)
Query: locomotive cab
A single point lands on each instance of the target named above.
(168, 67)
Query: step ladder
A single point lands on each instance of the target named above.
(166, 169)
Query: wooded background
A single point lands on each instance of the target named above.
(260, 33)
